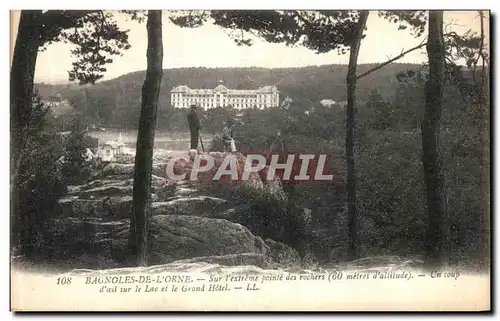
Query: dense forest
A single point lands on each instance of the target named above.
(391, 188)
(116, 103)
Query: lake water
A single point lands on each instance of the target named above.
(175, 141)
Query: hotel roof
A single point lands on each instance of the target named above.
(222, 88)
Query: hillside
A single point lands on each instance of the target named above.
(117, 101)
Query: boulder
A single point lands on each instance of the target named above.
(74, 189)
(283, 254)
(125, 159)
(270, 219)
(160, 155)
(72, 236)
(178, 237)
(102, 183)
(262, 217)
(115, 207)
(171, 238)
(118, 169)
(205, 206)
(185, 191)
(157, 181)
(102, 191)
(159, 169)
(235, 214)
(65, 205)
(160, 187)
(165, 191)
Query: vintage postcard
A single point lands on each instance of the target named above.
(250, 160)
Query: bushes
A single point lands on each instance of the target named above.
(74, 167)
(391, 196)
(391, 199)
(41, 181)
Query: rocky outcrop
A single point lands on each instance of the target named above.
(283, 254)
(117, 169)
(78, 189)
(176, 237)
(159, 169)
(106, 191)
(109, 208)
(271, 219)
(76, 235)
(185, 191)
(203, 206)
(125, 159)
(214, 221)
(171, 238)
(157, 181)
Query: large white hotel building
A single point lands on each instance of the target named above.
(221, 96)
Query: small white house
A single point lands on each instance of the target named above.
(109, 151)
(332, 103)
(328, 102)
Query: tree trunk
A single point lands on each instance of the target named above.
(484, 132)
(352, 224)
(437, 234)
(145, 138)
(22, 75)
(484, 209)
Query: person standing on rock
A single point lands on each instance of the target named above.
(194, 127)
(227, 136)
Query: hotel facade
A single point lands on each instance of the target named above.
(221, 96)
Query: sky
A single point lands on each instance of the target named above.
(210, 46)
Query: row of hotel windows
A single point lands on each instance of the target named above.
(212, 95)
(209, 105)
(224, 96)
(224, 100)
(224, 105)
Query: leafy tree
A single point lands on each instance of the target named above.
(39, 182)
(474, 87)
(74, 168)
(381, 111)
(97, 39)
(145, 138)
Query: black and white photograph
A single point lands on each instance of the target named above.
(250, 160)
